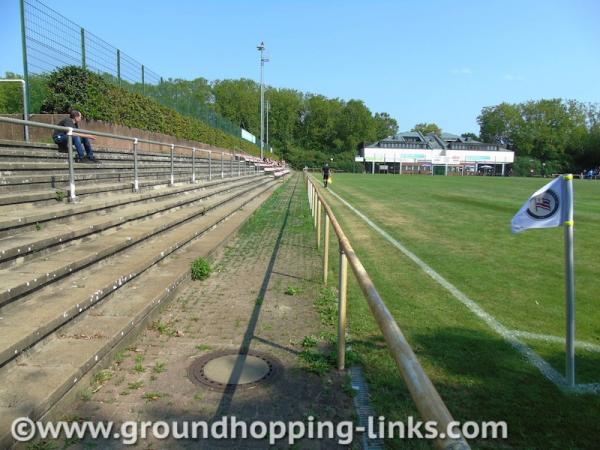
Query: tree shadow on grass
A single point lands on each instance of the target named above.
(481, 377)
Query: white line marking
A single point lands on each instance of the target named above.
(556, 339)
(536, 360)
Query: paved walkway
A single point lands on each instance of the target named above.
(244, 306)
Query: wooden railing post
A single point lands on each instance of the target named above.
(342, 288)
(318, 223)
(326, 249)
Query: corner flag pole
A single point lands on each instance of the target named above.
(569, 283)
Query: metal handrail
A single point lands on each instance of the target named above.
(25, 110)
(135, 141)
(426, 398)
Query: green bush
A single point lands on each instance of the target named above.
(200, 269)
(98, 99)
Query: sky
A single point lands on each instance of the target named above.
(436, 61)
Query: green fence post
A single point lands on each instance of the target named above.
(119, 65)
(83, 48)
(26, 102)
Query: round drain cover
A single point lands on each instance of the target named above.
(226, 370)
(247, 368)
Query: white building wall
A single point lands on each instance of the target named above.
(437, 156)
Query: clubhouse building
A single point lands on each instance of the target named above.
(448, 154)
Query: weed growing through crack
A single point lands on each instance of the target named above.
(138, 367)
(153, 396)
(103, 376)
(159, 367)
(135, 385)
(293, 290)
(86, 394)
(42, 445)
(120, 357)
(310, 341)
(200, 269)
(327, 306)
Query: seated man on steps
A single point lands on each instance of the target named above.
(79, 140)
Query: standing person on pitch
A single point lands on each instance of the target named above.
(325, 171)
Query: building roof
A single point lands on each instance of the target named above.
(449, 141)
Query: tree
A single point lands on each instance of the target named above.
(319, 123)
(239, 101)
(561, 132)
(11, 95)
(284, 118)
(500, 124)
(469, 135)
(355, 125)
(385, 126)
(426, 128)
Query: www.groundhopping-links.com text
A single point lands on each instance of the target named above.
(229, 427)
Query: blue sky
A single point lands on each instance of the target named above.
(421, 61)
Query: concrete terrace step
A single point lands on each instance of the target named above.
(64, 299)
(37, 380)
(17, 248)
(9, 150)
(17, 154)
(19, 168)
(48, 194)
(37, 181)
(35, 197)
(12, 219)
(19, 280)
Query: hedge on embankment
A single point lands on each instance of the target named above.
(76, 88)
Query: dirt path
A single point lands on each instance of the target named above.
(259, 299)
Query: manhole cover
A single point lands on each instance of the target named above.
(226, 370)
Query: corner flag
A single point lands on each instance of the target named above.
(552, 206)
(548, 207)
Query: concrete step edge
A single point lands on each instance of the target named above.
(10, 294)
(75, 209)
(162, 205)
(79, 311)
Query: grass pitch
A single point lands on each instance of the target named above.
(460, 227)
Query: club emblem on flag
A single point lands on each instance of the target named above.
(544, 205)
(545, 208)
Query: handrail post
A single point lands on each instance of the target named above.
(72, 196)
(315, 207)
(25, 111)
(231, 165)
(240, 166)
(136, 183)
(222, 172)
(209, 165)
(318, 223)
(193, 165)
(342, 287)
(326, 249)
(172, 165)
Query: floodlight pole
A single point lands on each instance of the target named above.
(267, 126)
(263, 60)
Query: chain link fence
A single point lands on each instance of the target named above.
(51, 41)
